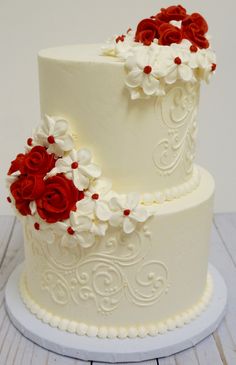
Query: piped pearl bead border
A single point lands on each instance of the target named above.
(175, 192)
(114, 332)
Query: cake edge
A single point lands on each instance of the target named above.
(82, 328)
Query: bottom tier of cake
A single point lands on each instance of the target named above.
(126, 285)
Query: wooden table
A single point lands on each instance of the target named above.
(217, 349)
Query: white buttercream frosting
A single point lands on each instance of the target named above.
(152, 329)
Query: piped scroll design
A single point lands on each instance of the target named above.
(178, 146)
(115, 270)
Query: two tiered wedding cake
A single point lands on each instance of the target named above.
(116, 216)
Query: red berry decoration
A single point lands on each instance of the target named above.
(213, 67)
(74, 165)
(51, 139)
(30, 141)
(127, 212)
(147, 70)
(177, 60)
(37, 226)
(70, 231)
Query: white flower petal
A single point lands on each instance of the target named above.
(65, 144)
(135, 94)
(132, 200)
(61, 127)
(84, 156)
(85, 239)
(172, 76)
(116, 219)
(150, 85)
(82, 182)
(50, 237)
(61, 167)
(99, 229)
(64, 241)
(84, 224)
(115, 204)
(139, 214)
(134, 78)
(102, 210)
(33, 207)
(48, 125)
(101, 186)
(128, 225)
(185, 72)
(91, 170)
(85, 206)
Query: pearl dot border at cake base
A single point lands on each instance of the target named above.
(116, 332)
(115, 350)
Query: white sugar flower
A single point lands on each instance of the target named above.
(204, 60)
(143, 78)
(120, 45)
(126, 212)
(77, 231)
(39, 229)
(99, 228)
(94, 203)
(78, 167)
(174, 63)
(53, 134)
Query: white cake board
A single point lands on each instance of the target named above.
(115, 350)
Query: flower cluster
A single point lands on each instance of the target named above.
(172, 25)
(60, 193)
(167, 47)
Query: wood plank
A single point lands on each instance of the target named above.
(226, 227)
(186, 357)
(222, 256)
(170, 360)
(225, 345)
(63, 360)
(18, 356)
(8, 342)
(6, 229)
(149, 362)
(224, 262)
(12, 257)
(15, 339)
(39, 355)
(207, 352)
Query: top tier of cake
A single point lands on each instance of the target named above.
(143, 145)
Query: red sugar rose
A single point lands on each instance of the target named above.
(146, 32)
(35, 162)
(26, 189)
(171, 13)
(17, 164)
(32, 187)
(194, 28)
(38, 161)
(58, 199)
(169, 34)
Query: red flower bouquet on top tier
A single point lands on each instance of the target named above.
(164, 29)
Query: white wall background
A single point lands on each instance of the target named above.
(26, 26)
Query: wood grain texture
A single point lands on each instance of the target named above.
(217, 349)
